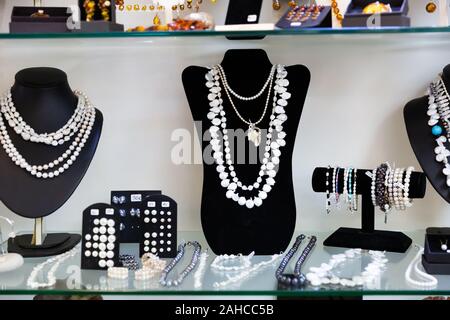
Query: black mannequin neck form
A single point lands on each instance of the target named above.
(245, 65)
(43, 98)
(446, 76)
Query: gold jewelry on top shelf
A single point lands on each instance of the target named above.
(377, 7)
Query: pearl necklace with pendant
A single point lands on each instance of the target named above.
(275, 140)
(63, 162)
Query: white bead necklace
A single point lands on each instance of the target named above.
(227, 86)
(325, 275)
(272, 153)
(424, 279)
(59, 137)
(219, 263)
(51, 279)
(63, 162)
(248, 272)
(200, 272)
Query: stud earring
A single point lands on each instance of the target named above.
(444, 245)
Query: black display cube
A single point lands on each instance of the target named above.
(434, 259)
(354, 16)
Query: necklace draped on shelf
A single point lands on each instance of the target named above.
(79, 124)
(275, 135)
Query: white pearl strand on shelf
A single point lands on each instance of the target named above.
(200, 272)
(219, 262)
(62, 163)
(59, 137)
(51, 279)
(425, 280)
(272, 153)
(325, 275)
(247, 273)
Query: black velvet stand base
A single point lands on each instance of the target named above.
(367, 237)
(54, 243)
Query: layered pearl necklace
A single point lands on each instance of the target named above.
(438, 110)
(80, 123)
(422, 279)
(275, 137)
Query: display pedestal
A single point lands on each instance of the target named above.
(367, 237)
(40, 245)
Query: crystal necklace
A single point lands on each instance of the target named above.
(253, 133)
(219, 141)
(63, 162)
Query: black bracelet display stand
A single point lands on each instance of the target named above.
(367, 237)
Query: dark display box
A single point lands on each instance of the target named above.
(434, 259)
(397, 18)
(57, 22)
(322, 21)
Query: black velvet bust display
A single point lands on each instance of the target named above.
(45, 100)
(423, 142)
(229, 227)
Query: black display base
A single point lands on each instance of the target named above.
(54, 243)
(435, 268)
(100, 26)
(392, 241)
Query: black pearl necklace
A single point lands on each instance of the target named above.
(191, 266)
(297, 279)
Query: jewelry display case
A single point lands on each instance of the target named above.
(361, 78)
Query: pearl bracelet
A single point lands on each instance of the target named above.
(118, 273)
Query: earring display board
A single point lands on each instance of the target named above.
(100, 239)
(159, 227)
(130, 206)
(367, 237)
(243, 12)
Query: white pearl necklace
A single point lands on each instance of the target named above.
(227, 86)
(425, 280)
(219, 262)
(62, 163)
(59, 137)
(51, 279)
(200, 272)
(324, 274)
(248, 272)
(272, 154)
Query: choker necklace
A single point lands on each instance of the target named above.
(275, 140)
(297, 279)
(81, 125)
(439, 111)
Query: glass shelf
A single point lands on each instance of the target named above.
(74, 281)
(212, 33)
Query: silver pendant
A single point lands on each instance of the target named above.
(254, 134)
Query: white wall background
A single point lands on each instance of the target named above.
(352, 114)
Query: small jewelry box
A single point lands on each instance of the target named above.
(436, 257)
